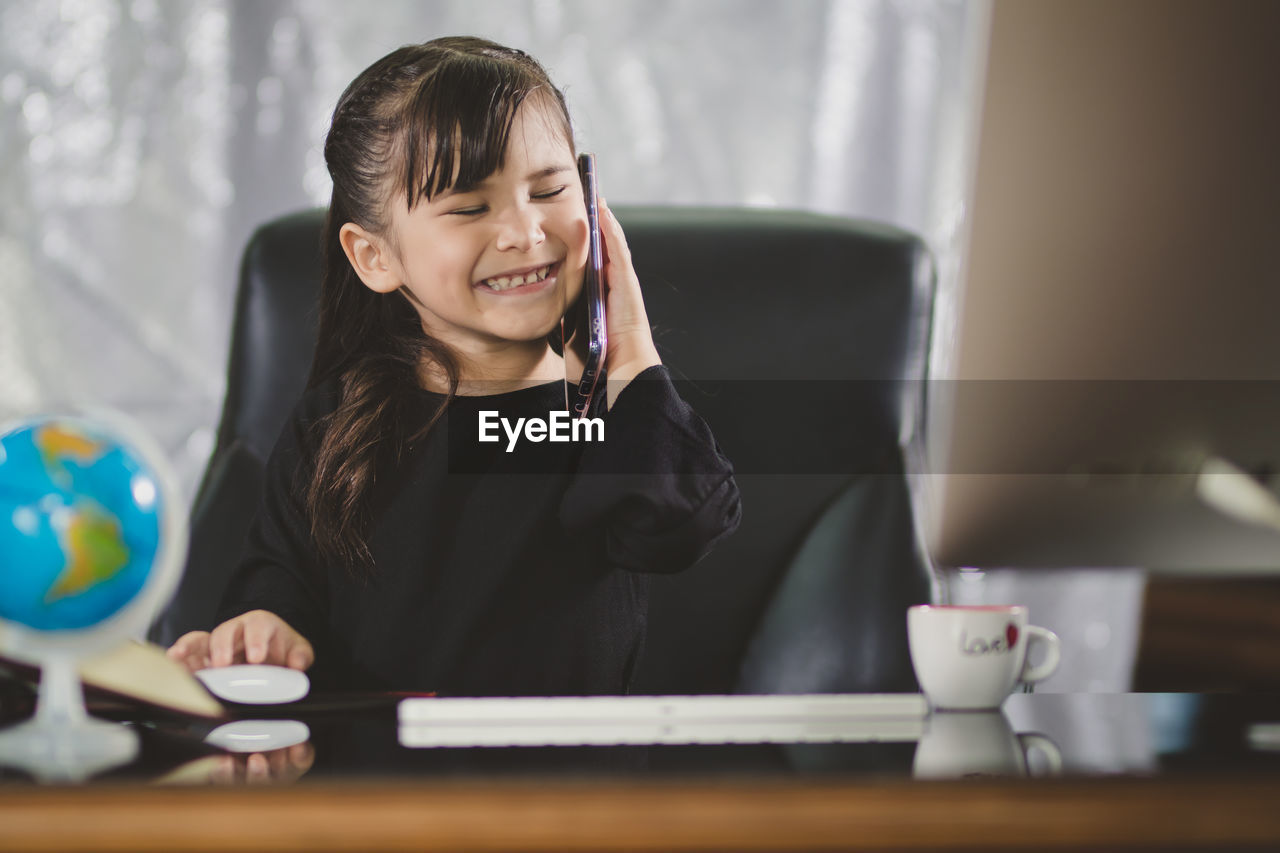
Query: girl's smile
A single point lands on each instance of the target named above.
(526, 280)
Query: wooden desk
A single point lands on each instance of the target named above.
(1193, 783)
(710, 816)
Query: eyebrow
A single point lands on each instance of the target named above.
(549, 171)
(536, 175)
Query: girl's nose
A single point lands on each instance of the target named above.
(521, 229)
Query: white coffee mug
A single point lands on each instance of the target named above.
(970, 657)
(980, 743)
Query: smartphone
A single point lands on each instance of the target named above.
(587, 332)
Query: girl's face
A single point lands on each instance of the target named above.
(497, 264)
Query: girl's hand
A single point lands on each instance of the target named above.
(258, 636)
(631, 348)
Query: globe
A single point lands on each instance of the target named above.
(91, 545)
(80, 518)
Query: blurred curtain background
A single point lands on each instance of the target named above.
(142, 141)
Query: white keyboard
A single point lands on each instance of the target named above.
(607, 720)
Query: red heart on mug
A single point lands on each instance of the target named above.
(1011, 635)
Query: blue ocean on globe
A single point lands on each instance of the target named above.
(80, 518)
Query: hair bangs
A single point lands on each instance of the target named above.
(458, 123)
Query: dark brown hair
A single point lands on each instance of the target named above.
(421, 120)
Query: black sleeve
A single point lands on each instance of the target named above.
(658, 484)
(278, 571)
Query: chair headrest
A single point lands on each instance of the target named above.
(749, 295)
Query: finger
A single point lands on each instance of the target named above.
(615, 238)
(191, 663)
(302, 756)
(224, 772)
(604, 217)
(183, 645)
(261, 639)
(300, 655)
(226, 643)
(278, 763)
(285, 646)
(257, 770)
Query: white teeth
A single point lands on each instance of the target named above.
(501, 283)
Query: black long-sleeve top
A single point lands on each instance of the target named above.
(495, 572)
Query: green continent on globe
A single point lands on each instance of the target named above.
(95, 549)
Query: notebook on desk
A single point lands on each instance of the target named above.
(133, 674)
(616, 720)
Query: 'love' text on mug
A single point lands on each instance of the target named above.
(981, 646)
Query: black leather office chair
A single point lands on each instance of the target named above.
(796, 335)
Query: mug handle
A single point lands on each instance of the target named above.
(1034, 740)
(1031, 673)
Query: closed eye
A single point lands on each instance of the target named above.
(479, 209)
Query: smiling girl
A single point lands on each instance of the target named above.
(390, 552)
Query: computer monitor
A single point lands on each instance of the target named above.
(1118, 321)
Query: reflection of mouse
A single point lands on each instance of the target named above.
(258, 735)
(255, 683)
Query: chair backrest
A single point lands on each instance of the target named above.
(273, 333)
(794, 334)
(799, 336)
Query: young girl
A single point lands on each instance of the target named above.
(393, 549)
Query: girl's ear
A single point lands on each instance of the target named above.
(370, 257)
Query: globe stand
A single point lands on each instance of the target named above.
(62, 743)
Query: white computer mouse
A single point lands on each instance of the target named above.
(255, 683)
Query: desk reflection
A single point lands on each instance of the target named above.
(274, 767)
(966, 744)
(1033, 736)
(1201, 773)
